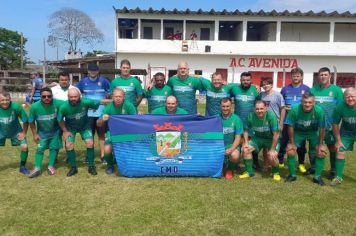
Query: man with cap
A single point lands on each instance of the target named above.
(95, 87)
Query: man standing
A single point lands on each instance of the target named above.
(45, 130)
(345, 113)
(37, 84)
(95, 87)
(216, 91)
(262, 127)
(171, 108)
(73, 118)
(184, 88)
(131, 86)
(157, 95)
(328, 96)
(60, 91)
(245, 96)
(306, 122)
(10, 113)
(119, 106)
(233, 130)
(292, 95)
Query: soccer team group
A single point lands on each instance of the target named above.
(268, 121)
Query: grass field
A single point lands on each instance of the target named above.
(113, 205)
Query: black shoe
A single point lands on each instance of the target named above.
(72, 171)
(319, 181)
(290, 178)
(92, 170)
(332, 174)
(310, 171)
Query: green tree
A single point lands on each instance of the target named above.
(10, 49)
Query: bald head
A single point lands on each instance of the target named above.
(74, 96)
(183, 70)
(171, 104)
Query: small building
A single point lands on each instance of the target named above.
(268, 44)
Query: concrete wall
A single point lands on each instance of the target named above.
(345, 33)
(305, 32)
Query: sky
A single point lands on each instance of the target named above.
(30, 17)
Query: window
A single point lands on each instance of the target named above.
(147, 33)
(205, 34)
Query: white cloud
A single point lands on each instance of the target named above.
(307, 5)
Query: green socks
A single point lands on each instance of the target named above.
(90, 156)
(291, 160)
(275, 169)
(248, 166)
(38, 160)
(110, 159)
(340, 165)
(332, 160)
(52, 157)
(71, 158)
(319, 166)
(23, 156)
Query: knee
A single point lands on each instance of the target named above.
(234, 156)
(108, 149)
(290, 150)
(340, 155)
(69, 146)
(24, 147)
(89, 143)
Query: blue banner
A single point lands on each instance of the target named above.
(164, 145)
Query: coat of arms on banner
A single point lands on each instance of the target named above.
(170, 143)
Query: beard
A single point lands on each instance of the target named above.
(245, 87)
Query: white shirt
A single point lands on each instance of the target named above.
(59, 93)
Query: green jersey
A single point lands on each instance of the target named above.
(306, 123)
(232, 126)
(131, 86)
(347, 115)
(262, 127)
(244, 100)
(185, 90)
(45, 118)
(126, 108)
(328, 98)
(9, 120)
(214, 96)
(163, 111)
(156, 97)
(76, 117)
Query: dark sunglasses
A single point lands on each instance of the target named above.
(46, 96)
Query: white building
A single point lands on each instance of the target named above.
(264, 43)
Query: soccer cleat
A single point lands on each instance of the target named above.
(290, 178)
(245, 175)
(318, 180)
(229, 174)
(51, 170)
(92, 170)
(281, 165)
(35, 173)
(103, 161)
(110, 170)
(72, 171)
(302, 169)
(276, 177)
(332, 174)
(24, 170)
(310, 171)
(336, 181)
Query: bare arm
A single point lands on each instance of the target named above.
(282, 117)
(138, 100)
(36, 138)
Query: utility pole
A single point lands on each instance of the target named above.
(44, 61)
(21, 51)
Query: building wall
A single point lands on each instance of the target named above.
(209, 63)
(305, 32)
(345, 33)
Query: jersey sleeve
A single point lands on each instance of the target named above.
(238, 127)
(273, 122)
(321, 117)
(169, 91)
(131, 110)
(32, 115)
(91, 103)
(106, 86)
(339, 96)
(106, 110)
(281, 102)
(21, 113)
(205, 83)
(139, 90)
(337, 115)
(291, 117)
(79, 85)
(169, 82)
(61, 113)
